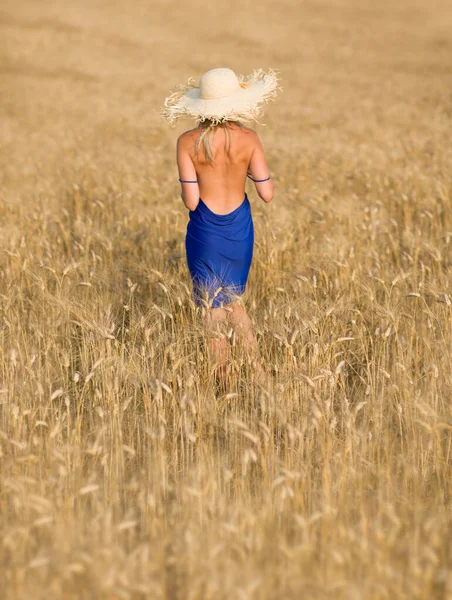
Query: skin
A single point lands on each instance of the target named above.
(222, 188)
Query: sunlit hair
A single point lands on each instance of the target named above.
(205, 138)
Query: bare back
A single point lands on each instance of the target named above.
(221, 185)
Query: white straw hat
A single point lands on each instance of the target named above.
(222, 96)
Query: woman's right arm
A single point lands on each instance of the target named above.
(259, 172)
(187, 173)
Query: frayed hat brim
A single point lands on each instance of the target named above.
(243, 105)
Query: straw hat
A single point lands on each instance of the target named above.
(222, 96)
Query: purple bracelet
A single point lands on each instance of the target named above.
(257, 180)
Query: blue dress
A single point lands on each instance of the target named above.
(219, 253)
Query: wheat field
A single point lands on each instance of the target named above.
(126, 473)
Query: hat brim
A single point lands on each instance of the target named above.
(243, 105)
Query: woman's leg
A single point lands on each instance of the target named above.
(217, 341)
(242, 325)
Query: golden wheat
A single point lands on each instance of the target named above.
(125, 472)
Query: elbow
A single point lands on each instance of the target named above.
(190, 203)
(190, 197)
(268, 195)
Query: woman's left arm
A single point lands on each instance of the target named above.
(187, 173)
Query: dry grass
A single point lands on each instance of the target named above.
(124, 475)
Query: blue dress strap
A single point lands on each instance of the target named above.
(257, 180)
(186, 181)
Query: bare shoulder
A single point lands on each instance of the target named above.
(248, 131)
(187, 138)
(249, 136)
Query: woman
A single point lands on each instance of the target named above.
(214, 160)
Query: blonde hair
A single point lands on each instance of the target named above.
(205, 138)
